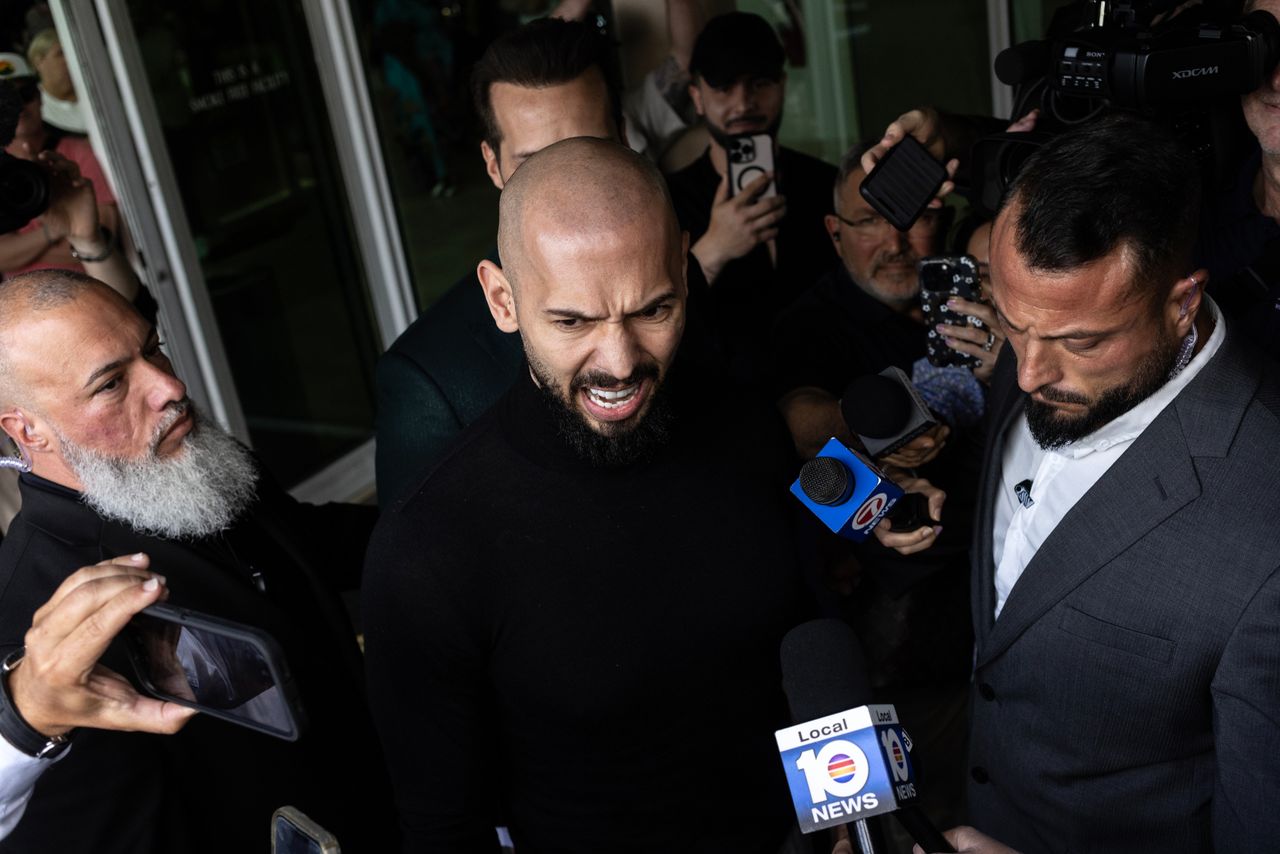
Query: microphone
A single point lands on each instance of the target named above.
(885, 411)
(1024, 62)
(846, 491)
(844, 760)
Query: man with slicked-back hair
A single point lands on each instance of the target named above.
(1126, 572)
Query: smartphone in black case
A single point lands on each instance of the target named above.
(292, 832)
(903, 183)
(941, 278)
(224, 669)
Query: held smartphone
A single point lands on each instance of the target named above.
(941, 278)
(750, 156)
(227, 670)
(293, 833)
(903, 183)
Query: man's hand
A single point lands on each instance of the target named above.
(738, 224)
(982, 344)
(921, 449)
(925, 124)
(966, 840)
(910, 542)
(1025, 124)
(59, 684)
(73, 207)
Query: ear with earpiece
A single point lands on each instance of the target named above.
(15, 426)
(1191, 295)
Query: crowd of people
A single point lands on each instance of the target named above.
(586, 555)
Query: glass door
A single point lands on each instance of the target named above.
(249, 157)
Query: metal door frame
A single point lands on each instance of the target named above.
(107, 68)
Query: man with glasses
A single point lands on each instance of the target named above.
(861, 317)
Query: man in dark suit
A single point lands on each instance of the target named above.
(1126, 592)
(122, 465)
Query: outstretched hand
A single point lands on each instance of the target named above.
(59, 684)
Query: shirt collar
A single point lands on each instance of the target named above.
(1127, 427)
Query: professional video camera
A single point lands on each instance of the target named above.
(1099, 55)
(24, 186)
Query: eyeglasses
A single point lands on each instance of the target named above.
(873, 225)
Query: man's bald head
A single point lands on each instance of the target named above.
(581, 189)
(26, 297)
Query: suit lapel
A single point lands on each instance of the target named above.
(1150, 481)
(1005, 408)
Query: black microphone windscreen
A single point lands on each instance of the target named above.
(825, 480)
(823, 671)
(1023, 63)
(875, 406)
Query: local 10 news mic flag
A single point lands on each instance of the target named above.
(845, 760)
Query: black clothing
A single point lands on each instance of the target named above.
(441, 374)
(1233, 232)
(835, 332)
(592, 653)
(1240, 246)
(213, 786)
(831, 335)
(749, 292)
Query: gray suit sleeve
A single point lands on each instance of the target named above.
(1246, 722)
(415, 424)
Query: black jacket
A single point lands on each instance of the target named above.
(213, 786)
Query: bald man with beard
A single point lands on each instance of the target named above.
(123, 466)
(573, 620)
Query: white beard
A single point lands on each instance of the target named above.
(198, 491)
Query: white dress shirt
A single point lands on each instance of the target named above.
(18, 775)
(1059, 478)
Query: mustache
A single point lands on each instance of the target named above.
(600, 379)
(1057, 395)
(747, 117)
(884, 259)
(175, 411)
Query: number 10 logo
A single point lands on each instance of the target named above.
(840, 768)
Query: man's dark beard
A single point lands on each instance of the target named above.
(1052, 431)
(725, 139)
(624, 445)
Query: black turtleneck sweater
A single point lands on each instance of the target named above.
(588, 655)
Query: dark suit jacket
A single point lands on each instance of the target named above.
(1128, 697)
(441, 374)
(213, 786)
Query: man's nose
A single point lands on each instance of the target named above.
(1037, 367)
(163, 388)
(617, 352)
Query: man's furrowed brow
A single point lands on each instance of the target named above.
(569, 313)
(653, 303)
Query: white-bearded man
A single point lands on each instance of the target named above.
(121, 464)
